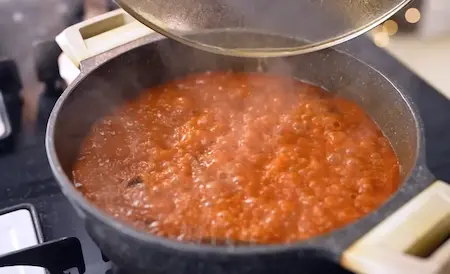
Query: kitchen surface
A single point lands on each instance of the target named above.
(428, 58)
(36, 218)
(425, 50)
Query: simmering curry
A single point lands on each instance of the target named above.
(237, 157)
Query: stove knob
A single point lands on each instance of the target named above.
(10, 82)
(46, 55)
(10, 105)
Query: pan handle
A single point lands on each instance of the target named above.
(415, 239)
(99, 34)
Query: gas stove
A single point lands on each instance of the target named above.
(38, 226)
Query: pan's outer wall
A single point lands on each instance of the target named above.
(120, 74)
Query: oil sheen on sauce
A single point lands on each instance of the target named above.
(237, 157)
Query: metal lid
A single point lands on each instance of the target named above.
(261, 27)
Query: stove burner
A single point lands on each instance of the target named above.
(18, 230)
(22, 245)
(56, 256)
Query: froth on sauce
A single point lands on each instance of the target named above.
(237, 157)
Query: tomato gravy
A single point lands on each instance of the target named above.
(237, 157)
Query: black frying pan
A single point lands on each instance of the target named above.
(118, 74)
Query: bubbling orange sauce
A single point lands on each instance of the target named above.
(237, 156)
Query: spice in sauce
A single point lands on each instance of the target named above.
(242, 157)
